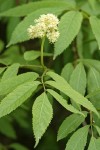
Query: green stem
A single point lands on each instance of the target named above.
(91, 122)
(42, 46)
(42, 80)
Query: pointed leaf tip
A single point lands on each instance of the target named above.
(42, 115)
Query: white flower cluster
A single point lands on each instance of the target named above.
(46, 25)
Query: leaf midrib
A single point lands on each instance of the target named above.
(41, 112)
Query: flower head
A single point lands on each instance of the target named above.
(45, 25)
(53, 36)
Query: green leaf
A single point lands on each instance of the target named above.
(2, 69)
(95, 92)
(11, 71)
(64, 87)
(9, 56)
(94, 5)
(12, 23)
(98, 129)
(78, 81)
(94, 144)
(6, 128)
(67, 71)
(20, 33)
(30, 7)
(69, 27)
(8, 85)
(63, 102)
(17, 146)
(17, 97)
(78, 139)
(96, 120)
(69, 125)
(5, 5)
(32, 55)
(42, 114)
(94, 84)
(23, 113)
(91, 63)
(95, 24)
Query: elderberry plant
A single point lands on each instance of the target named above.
(63, 72)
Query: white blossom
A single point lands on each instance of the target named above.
(53, 36)
(46, 25)
(50, 20)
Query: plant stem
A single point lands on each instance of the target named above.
(42, 46)
(42, 79)
(91, 122)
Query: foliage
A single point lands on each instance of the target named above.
(52, 89)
